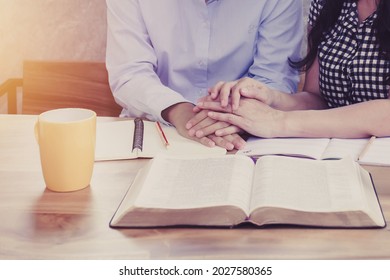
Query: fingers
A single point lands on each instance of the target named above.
(231, 132)
(251, 92)
(233, 119)
(201, 125)
(206, 141)
(236, 140)
(261, 93)
(227, 130)
(205, 98)
(214, 91)
(196, 109)
(196, 129)
(235, 99)
(200, 116)
(222, 134)
(204, 128)
(223, 142)
(225, 93)
(229, 142)
(211, 128)
(214, 106)
(236, 93)
(230, 92)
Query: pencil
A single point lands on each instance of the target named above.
(162, 134)
(366, 147)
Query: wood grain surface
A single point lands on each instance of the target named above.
(36, 223)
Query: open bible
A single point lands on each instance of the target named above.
(230, 190)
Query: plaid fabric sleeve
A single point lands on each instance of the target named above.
(314, 11)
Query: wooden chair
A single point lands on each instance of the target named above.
(9, 88)
(54, 84)
(58, 84)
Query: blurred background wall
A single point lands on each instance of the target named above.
(51, 30)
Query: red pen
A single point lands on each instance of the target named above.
(162, 134)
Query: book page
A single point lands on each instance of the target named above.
(114, 140)
(378, 153)
(152, 142)
(180, 145)
(188, 182)
(298, 147)
(341, 148)
(307, 185)
(374, 209)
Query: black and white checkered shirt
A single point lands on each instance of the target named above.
(351, 68)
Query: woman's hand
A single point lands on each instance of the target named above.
(231, 92)
(252, 116)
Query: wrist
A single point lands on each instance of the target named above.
(280, 124)
(178, 113)
(277, 99)
(295, 123)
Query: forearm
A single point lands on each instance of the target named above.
(298, 101)
(144, 98)
(353, 121)
(131, 63)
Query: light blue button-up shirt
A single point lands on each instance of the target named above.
(162, 52)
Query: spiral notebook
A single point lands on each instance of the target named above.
(136, 138)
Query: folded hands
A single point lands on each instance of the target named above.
(235, 107)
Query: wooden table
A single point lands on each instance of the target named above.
(36, 223)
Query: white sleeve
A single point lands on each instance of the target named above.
(131, 63)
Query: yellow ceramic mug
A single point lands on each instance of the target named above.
(66, 139)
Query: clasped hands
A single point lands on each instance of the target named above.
(232, 108)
